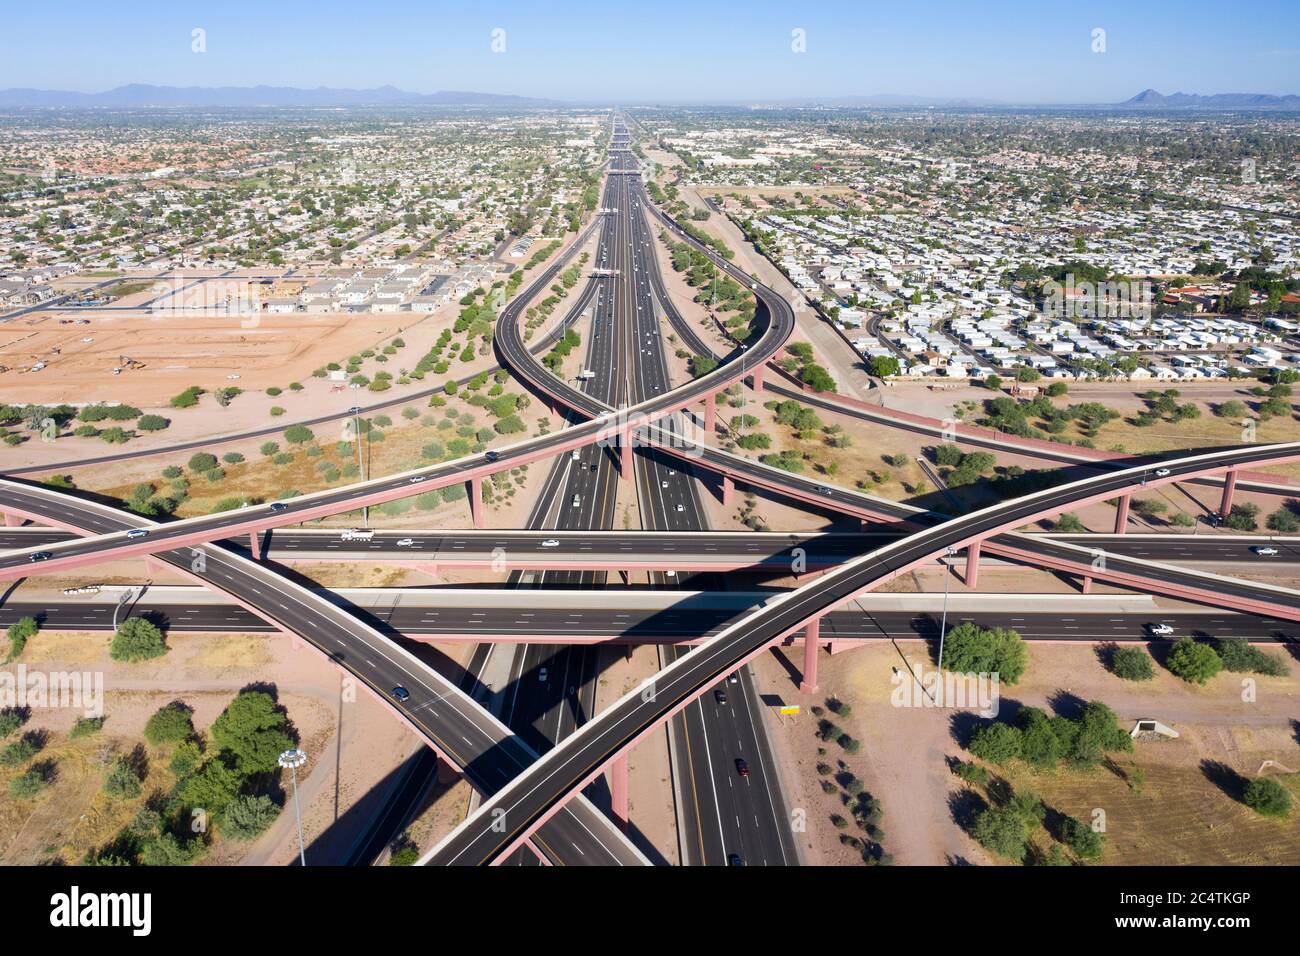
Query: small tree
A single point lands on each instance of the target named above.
(1193, 661)
(1082, 839)
(1267, 797)
(137, 639)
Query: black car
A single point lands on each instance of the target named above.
(39, 556)
(720, 696)
(734, 859)
(400, 693)
(742, 767)
(279, 506)
(491, 456)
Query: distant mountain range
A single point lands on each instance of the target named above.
(1146, 100)
(1152, 100)
(139, 95)
(144, 96)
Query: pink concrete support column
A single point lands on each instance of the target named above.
(811, 641)
(756, 379)
(865, 526)
(728, 490)
(973, 565)
(1229, 489)
(255, 544)
(710, 415)
(429, 568)
(476, 501)
(1085, 585)
(625, 455)
(1121, 514)
(618, 789)
(448, 772)
(12, 521)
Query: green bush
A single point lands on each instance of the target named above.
(170, 724)
(20, 631)
(1239, 656)
(137, 639)
(972, 649)
(1131, 663)
(248, 817)
(1193, 661)
(202, 461)
(1267, 797)
(122, 781)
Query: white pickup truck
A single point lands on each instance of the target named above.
(353, 534)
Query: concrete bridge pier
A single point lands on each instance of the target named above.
(475, 489)
(710, 414)
(618, 790)
(1121, 514)
(625, 454)
(811, 643)
(972, 576)
(1229, 490)
(13, 521)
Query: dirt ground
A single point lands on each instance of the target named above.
(353, 743)
(1179, 815)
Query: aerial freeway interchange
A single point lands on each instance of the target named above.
(539, 796)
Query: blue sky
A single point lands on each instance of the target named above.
(666, 50)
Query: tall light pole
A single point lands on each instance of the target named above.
(943, 622)
(291, 760)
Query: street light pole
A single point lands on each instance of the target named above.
(291, 760)
(943, 622)
(122, 599)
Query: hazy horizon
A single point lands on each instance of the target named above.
(1011, 53)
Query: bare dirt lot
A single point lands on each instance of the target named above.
(178, 351)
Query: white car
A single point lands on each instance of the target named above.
(551, 543)
(416, 479)
(1161, 628)
(681, 507)
(406, 542)
(1266, 552)
(663, 484)
(1163, 472)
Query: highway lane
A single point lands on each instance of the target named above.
(723, 816)
(662, 626)
(553, 687)
(538, 791)
(728, 550)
